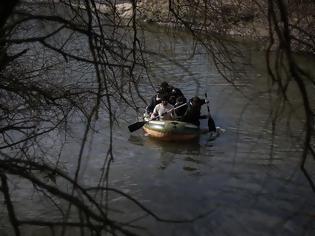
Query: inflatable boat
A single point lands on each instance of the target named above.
(171, 130)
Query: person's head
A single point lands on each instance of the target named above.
(164, 85)
(164, 88)
(164, 99)
(195, 101)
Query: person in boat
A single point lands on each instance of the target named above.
(193, 112)
(164, 89)
(167, 90)
(179, 112)
(156, 99)
(163, 110)
(175, 94)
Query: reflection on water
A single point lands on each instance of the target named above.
(189, 152)
(191, 147)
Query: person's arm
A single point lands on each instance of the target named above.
(179, 93)
(202, 102)
(173, 115)
(155, 112)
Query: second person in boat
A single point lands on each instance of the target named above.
(163, 110)
(193, 112)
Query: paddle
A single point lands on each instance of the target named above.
(139, 124)
(211, 124)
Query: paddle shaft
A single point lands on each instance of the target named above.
(207, 104)
(170, 110)
(211, 124)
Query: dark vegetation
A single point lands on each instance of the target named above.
(36, 103)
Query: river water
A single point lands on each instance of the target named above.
(246, 182)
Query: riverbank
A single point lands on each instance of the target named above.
(242, 20)
(221, 19)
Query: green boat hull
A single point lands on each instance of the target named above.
(171, 130)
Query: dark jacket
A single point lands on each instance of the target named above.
(170, 92)
(180, 111)
(192, 114)
(175, 93)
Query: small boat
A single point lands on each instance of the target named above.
(171, 130)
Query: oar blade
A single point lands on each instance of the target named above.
(136, 126)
